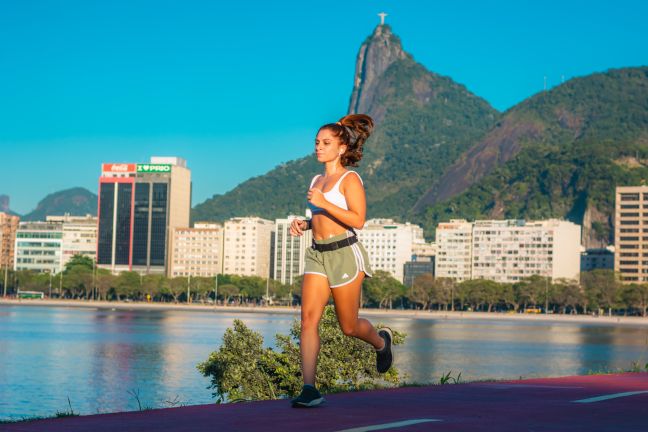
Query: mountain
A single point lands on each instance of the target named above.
(76, 201)
(424, 122)
(559, 154)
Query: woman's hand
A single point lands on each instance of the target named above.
(297, 227)
(316, 197)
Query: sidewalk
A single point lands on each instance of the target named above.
(616, 402)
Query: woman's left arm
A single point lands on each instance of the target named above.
(354, 193)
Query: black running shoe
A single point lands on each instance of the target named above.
(385, 356)
(309, 397)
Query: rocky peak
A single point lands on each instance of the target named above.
(4, 203)
(376, 54)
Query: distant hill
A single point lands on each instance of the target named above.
(560, 153)
(76, 201)
(425, 121)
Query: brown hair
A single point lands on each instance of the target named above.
(353, 130)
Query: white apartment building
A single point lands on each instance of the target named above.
(454, 250)
(39, 247)
(79, 236)
(511, 250)
(390, 244)
(289, 251)
(197, 251)
(247, 246)
(424, 250)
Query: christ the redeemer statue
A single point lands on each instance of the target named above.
(382, 16)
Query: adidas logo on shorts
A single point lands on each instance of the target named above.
(345, 276)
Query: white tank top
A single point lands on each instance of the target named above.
(334, 196)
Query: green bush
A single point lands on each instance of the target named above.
(242, 369)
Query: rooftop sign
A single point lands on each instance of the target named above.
(154, 168)
(118, 167)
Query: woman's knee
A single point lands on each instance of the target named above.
(348, 328)
(309, 321)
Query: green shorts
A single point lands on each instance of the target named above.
(340, 266)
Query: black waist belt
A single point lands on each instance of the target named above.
(326, 247)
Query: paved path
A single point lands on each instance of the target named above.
(616, 402)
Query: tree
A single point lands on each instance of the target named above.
(422, 291)
(531, 290)
(11, 280)
(507, 295)
(228, 291)
(175, 287)
(77, 279)
(152, 284)
(29, 280)
(251, 287)
(241, 369)
(280, 291)
(382, 289)
(443, 292)
(202, 287)
(566, 294)
(105, 280)
(491, 293)
(601, 288)
(127, 284)
(636, 295)
(80, 260)
(296, 287)
(471, 292)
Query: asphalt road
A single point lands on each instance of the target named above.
(617, 402)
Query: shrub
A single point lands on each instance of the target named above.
(242, 369)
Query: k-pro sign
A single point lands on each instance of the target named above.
(153, 168)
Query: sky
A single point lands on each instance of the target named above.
(239, 87)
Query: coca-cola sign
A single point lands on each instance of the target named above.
(119, 167)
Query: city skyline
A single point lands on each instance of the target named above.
(120, 83)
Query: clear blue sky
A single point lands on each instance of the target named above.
(239, 87)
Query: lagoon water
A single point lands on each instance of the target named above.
(102, 358)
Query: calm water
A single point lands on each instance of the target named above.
(97, 357)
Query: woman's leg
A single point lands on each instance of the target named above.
(347, 304)
(315, 295)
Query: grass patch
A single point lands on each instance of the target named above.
(634, 367)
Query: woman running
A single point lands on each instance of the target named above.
(337, 263)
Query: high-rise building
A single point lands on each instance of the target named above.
(139, 206)
(197, 251)
(247, 246)
(454, 250)
(511, 250)
(390, 244)
(39, 247)
(631, 233)
(79, 236)
(289, 251)
(8, 228)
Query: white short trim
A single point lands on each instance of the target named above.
(358, 253)
(317, 273)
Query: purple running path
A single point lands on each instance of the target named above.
(616, 402)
